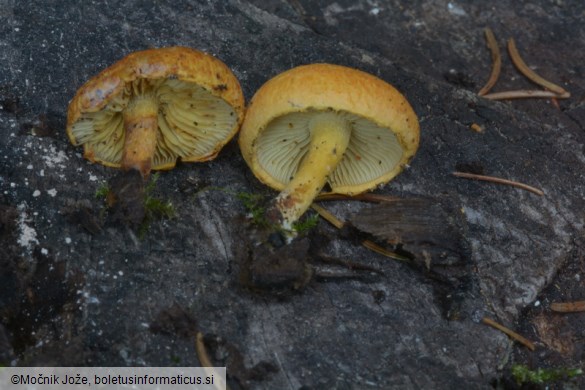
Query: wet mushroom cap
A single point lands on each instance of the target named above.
(196, 100)
(275, 134)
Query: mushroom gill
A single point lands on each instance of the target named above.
(372, 149)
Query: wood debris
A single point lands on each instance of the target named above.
(326, 215)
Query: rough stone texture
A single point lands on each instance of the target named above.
(79, 289)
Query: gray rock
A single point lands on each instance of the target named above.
(104, 286)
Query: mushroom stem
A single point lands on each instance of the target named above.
(140, 123)
(330, 136)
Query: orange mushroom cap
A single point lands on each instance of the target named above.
(194, 99)
(384, 136)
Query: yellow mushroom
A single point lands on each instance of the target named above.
(156, 106)
(325, 124)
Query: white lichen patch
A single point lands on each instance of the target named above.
(27, 236)
(367, 59)
(89, 299)
(52, 192)
(474, 216)
(54, 158)
(456, 10)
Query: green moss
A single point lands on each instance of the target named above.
(253, 204)
(255, 207)
(522, 374)
(102, 191)
(154, 208)
(305, 225)
(158, 208)
(151, 185)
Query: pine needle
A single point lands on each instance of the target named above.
(568, 307)
(513, 335)
(496, 62)
(529, 73)
(499, 180)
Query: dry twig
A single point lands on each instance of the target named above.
(515, 336)
(499, 180)
(496, 62)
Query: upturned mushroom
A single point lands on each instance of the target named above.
(154, 107)
(325, 124)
